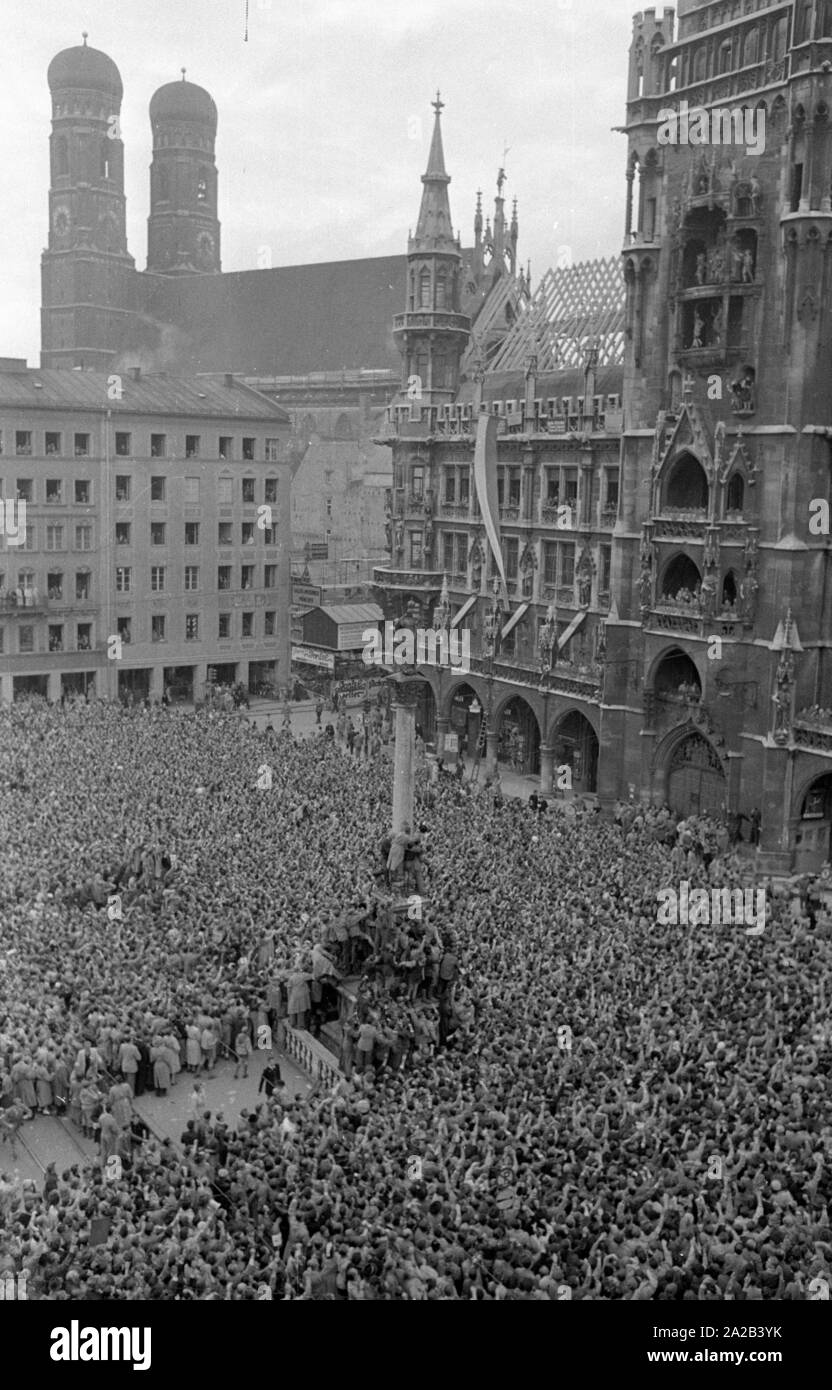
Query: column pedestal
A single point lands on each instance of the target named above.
(547, 770)
(441, 731)
(490, 752)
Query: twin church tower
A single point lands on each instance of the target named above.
(90, 286)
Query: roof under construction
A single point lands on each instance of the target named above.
(574, 308)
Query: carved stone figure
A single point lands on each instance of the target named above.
(748, 596)
(645, 586)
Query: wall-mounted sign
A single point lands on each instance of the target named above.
(313, 656)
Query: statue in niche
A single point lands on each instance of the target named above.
(476, 567)
(756, 191)
(547, 638)
(716, 326)
(698, 329)
(584, 577)
(701, 268)
(707, 594)
(748, 596)
(645, 585)
(399, 536)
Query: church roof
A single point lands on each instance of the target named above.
(85, 68)
(289, 320)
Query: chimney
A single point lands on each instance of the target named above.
(229, 379)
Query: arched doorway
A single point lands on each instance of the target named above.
(519, 738)
(465, 718)
(576, 747)
(696, 779)
(814, 828)
(426, 713)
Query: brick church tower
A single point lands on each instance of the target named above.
(720, 655)
(87, 273)
(183, 230)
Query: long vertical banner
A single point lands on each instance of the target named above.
(485, 481)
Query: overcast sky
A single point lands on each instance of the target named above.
(324, 122)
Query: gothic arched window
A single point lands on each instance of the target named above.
(441, 290)
(735, 496)
(61, 157)
(424, 289)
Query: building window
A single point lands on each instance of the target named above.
(122, 533)
(450, 485)
(29, 539)
(157, 489)
(247, 533)
(192, 627)
(192, 533)
(122, 444)
(510, 556)
(248, 625)
(269, 618)
(224, 577)
(567, 564)
(269, 535)
(122, 487)
(53, 443)
(464, 487)
(82, 446)
(272, 450)
(550, 563)
(158, 446)
(270, 490)
(157, 578)
(191, 446)
(26, 639)
(225, 446)
(54, 490)
(248, 489)
(54, 538)
(23, 441)
(84, 639)
(270, 577)
(417, 480)
(224, 533)
(123, 574)
(55, 586)
(606, 566)
(248, 448)
(224, 625)
(83, 587)
(124, 628)
(191, 578)
(25, 490)
(157, 627)
(83, 538)
(157, 533)
(191, 492)
(415, 538)
(247, 577)
(82, 491)
(224, 493)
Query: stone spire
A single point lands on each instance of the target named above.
(434, 230)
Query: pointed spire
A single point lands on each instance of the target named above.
(434, 230)
(478, 218)
(85, 36)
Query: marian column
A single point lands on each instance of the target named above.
(406, 695)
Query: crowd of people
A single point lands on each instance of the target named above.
(613, 1109)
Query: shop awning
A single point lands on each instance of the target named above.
(464, 610)
(571, 629)
(514, 619)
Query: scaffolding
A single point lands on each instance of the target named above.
(573, 308)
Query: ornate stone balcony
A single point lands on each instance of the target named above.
(678, 524)
(560, 680)
(429, 318)
(311, 1056)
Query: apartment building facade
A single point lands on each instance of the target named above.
(146, 543)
